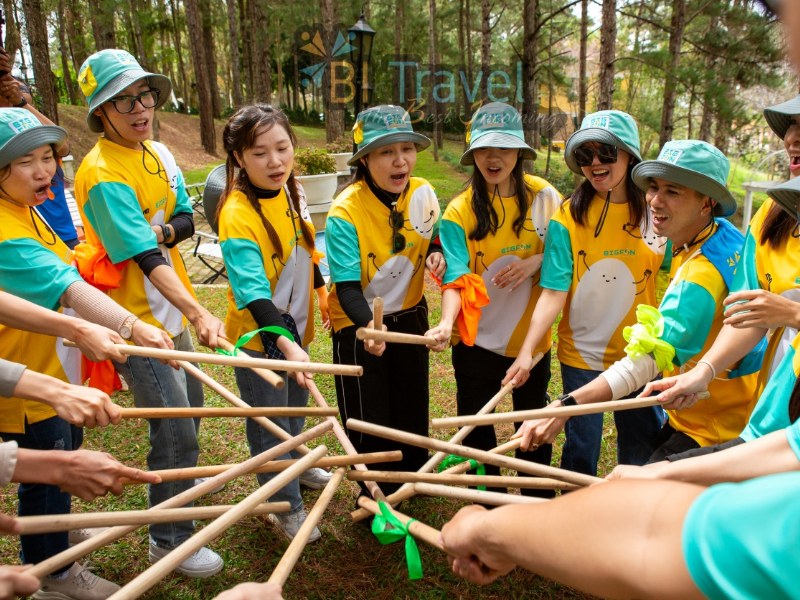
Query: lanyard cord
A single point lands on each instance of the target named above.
(599, 227)
(697, 239)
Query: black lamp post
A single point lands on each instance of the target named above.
(361, 35)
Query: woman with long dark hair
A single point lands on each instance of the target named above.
(601, 261)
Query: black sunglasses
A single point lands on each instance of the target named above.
(397, 221)
(606, 154)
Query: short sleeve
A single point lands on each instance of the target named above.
(344, 255)
(688, 310)
(746, 277)
(245, 267)
(182, 202)
(557, 266)
(456, 254)
(31, 271)
(437, 228)
(793, 437)
(114, 213)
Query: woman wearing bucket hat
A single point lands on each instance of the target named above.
(267, 242)
(686, 193)
(379, 236)
(135, 210)
(493, 236)
(601, 260)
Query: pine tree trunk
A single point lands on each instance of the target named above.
(102, 15)
(236, 63)
(12, 41)
(675, 40)
(433, 104)
(208, 136)
(62, 46)
(260, 52)
(137, 32)
(210, 54)
(530, 108)
(245, 16)
(36, 26)
(181, 67)
(279, 63)
(399, 21)
(608, 37)
(486, 46)
(76, 34)
(549, 96)
(334, 111)
(582, 86)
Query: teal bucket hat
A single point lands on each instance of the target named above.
(695, 164)
(106, 73)
(21, 132)
(607, 127)
(787, 195)
(380, 126)
(496, 125)
(779, 117)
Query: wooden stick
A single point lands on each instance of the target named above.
(406, 490)
(292, 554)
(363, 333)
(271, 467)
(478, 496)
(165, 566)
(344, 440)
(421, 531)
(522, 466)
(274, 429)
(210, 411)
(236, 361)
(547, 413)
(377, 314)
(67, 557)
(271, 377)
(52, 523)
(527, 483)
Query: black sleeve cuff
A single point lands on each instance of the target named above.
(319, 280)
(433, 248)
(149, 260)
(183, 224)
(353, 302)
(266, 315)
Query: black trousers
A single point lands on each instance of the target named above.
(393, 391)
(479, 373)
(670, 442)
(705, 450)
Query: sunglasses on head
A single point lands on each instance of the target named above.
(397, 221)
(606, 154)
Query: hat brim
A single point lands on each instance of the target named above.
(787, 195)
(420, 141)
(594, 134)
(779, 117)
(212, 192)
(497, 139)
(161, 83)
(658, 169)
(30, 139)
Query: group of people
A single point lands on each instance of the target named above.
(639, 260)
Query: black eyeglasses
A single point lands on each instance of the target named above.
(125, 104)
(584, 155)
(396, 220)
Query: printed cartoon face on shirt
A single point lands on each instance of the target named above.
(391, 282)
(653, 241)
(544, 205)
(788, 335)
(504, 308)
(293, 291)
(423, 211)
(604, 295)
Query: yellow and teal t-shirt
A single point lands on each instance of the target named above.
(693, 313)
(37, 266)
(257, 271)
(358, 239)
(121, 194)
(776, 270)
(504, 321)
(606, 276)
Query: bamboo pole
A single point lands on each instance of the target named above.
(236, 361)
(236, 401)
(478, 496)
(164, 566)
(292, 554)
(421, 531)
(522, 466)
(271, 467)
(547, 413)
(363, 333)
(377, 314)
(271, 377)
(527, 483)
(62, 559)
(210, 411)
(52, 523)
(406, 491)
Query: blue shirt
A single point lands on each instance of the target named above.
(56, 211)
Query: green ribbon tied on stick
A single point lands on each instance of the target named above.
(645, 338)
(400, 531)
(453, 460)
(251, 334)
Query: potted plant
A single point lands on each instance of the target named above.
(316, 171)
(341, 150)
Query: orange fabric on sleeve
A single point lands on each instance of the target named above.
(101, 375)
(317, 256)
(473, 297)
(96, 267)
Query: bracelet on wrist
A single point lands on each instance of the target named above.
(710, 366)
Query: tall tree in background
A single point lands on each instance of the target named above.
(433, 104)
(176, 31)
(530, 91)
(36, 29)
(399, 24)
(608, 38)
(236, 68)
(76, 34)
(260, 51)
(12, 41)
(208, 137)
(486, 45)
(62, 48)
(207, 18)
(675, 41)
(582, 84)
(334, 110)
(102, 14)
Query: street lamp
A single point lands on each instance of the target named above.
(24, 70)
(361, 35)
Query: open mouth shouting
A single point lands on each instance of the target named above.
(399, 179)
(40, 194)
(493, 171)
(794, 161)
(141, 125)
(600, 174)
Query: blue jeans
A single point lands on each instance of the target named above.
(39, 499)
(637, 430)
(173, 442)
(258, 393)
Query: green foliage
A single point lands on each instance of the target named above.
(343, 144)
(314, 161)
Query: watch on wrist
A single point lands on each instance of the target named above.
(21, 104)
(567, 400)
(126, 329)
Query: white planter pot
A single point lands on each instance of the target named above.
(319, 188)
(341, 160)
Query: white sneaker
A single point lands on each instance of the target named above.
(315, 478)
(203, 563)
(289, 524)
(216, 490)
(79, 584)
(76, 536)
